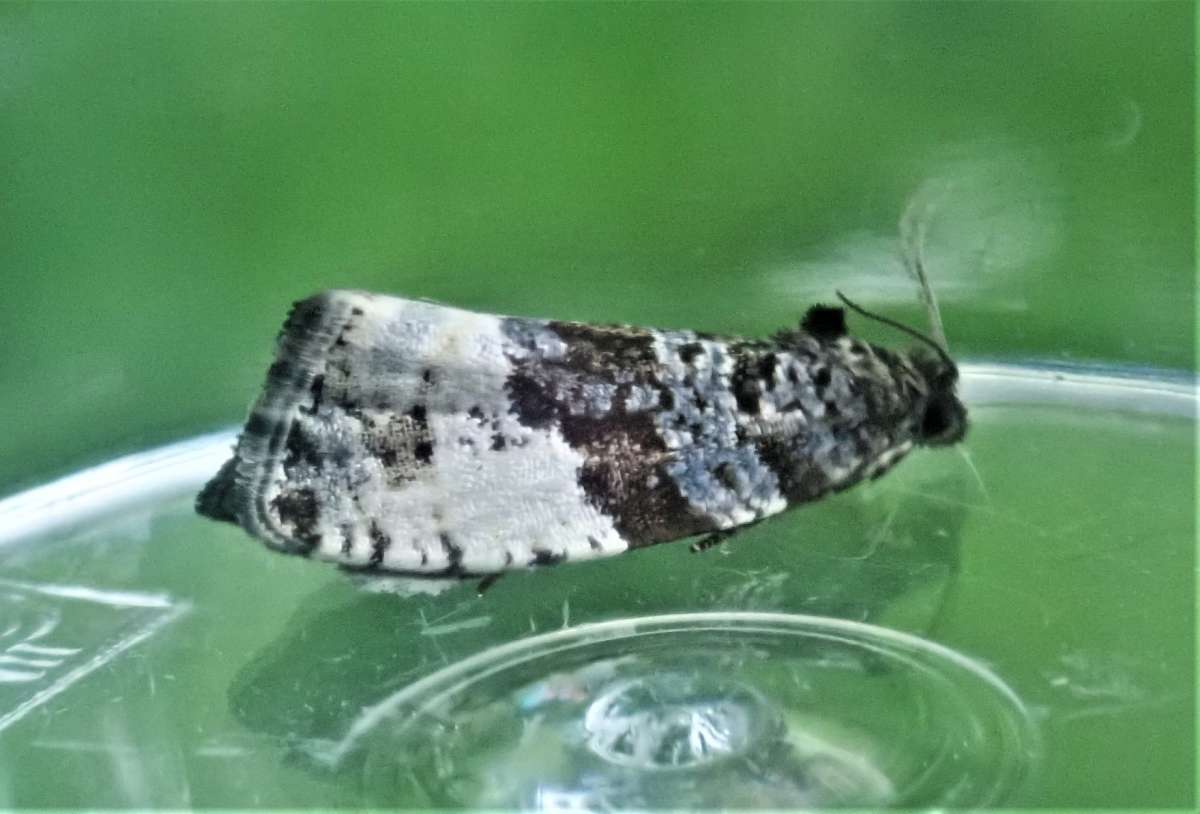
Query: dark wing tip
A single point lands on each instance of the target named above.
(218, 499)
(307, 315)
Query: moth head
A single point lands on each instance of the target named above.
(942, 418)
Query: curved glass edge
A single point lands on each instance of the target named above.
(176, 469)
(425, 693)
(1159, 392)
(143, 477)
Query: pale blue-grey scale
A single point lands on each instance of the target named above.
(869, 397)
(600, 388)
(810, 413)
(718, 470)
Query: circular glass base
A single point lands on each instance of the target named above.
(714, 709)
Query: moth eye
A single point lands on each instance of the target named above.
(936, 420)
(944, 421)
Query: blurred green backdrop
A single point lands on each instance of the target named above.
(174, 175)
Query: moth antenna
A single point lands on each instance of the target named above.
(899, 326)
(914, 225)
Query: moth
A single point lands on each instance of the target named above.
(410, 438)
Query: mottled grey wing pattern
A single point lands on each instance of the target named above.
(415, 438)
(683, 433)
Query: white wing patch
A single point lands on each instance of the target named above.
(493, 494)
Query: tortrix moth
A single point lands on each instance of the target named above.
(404, 437)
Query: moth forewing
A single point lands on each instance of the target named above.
(413, 438)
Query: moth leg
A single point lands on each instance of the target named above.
(717, 537)
(712, 540)
(487, 582)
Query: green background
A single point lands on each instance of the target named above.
(174, 175)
